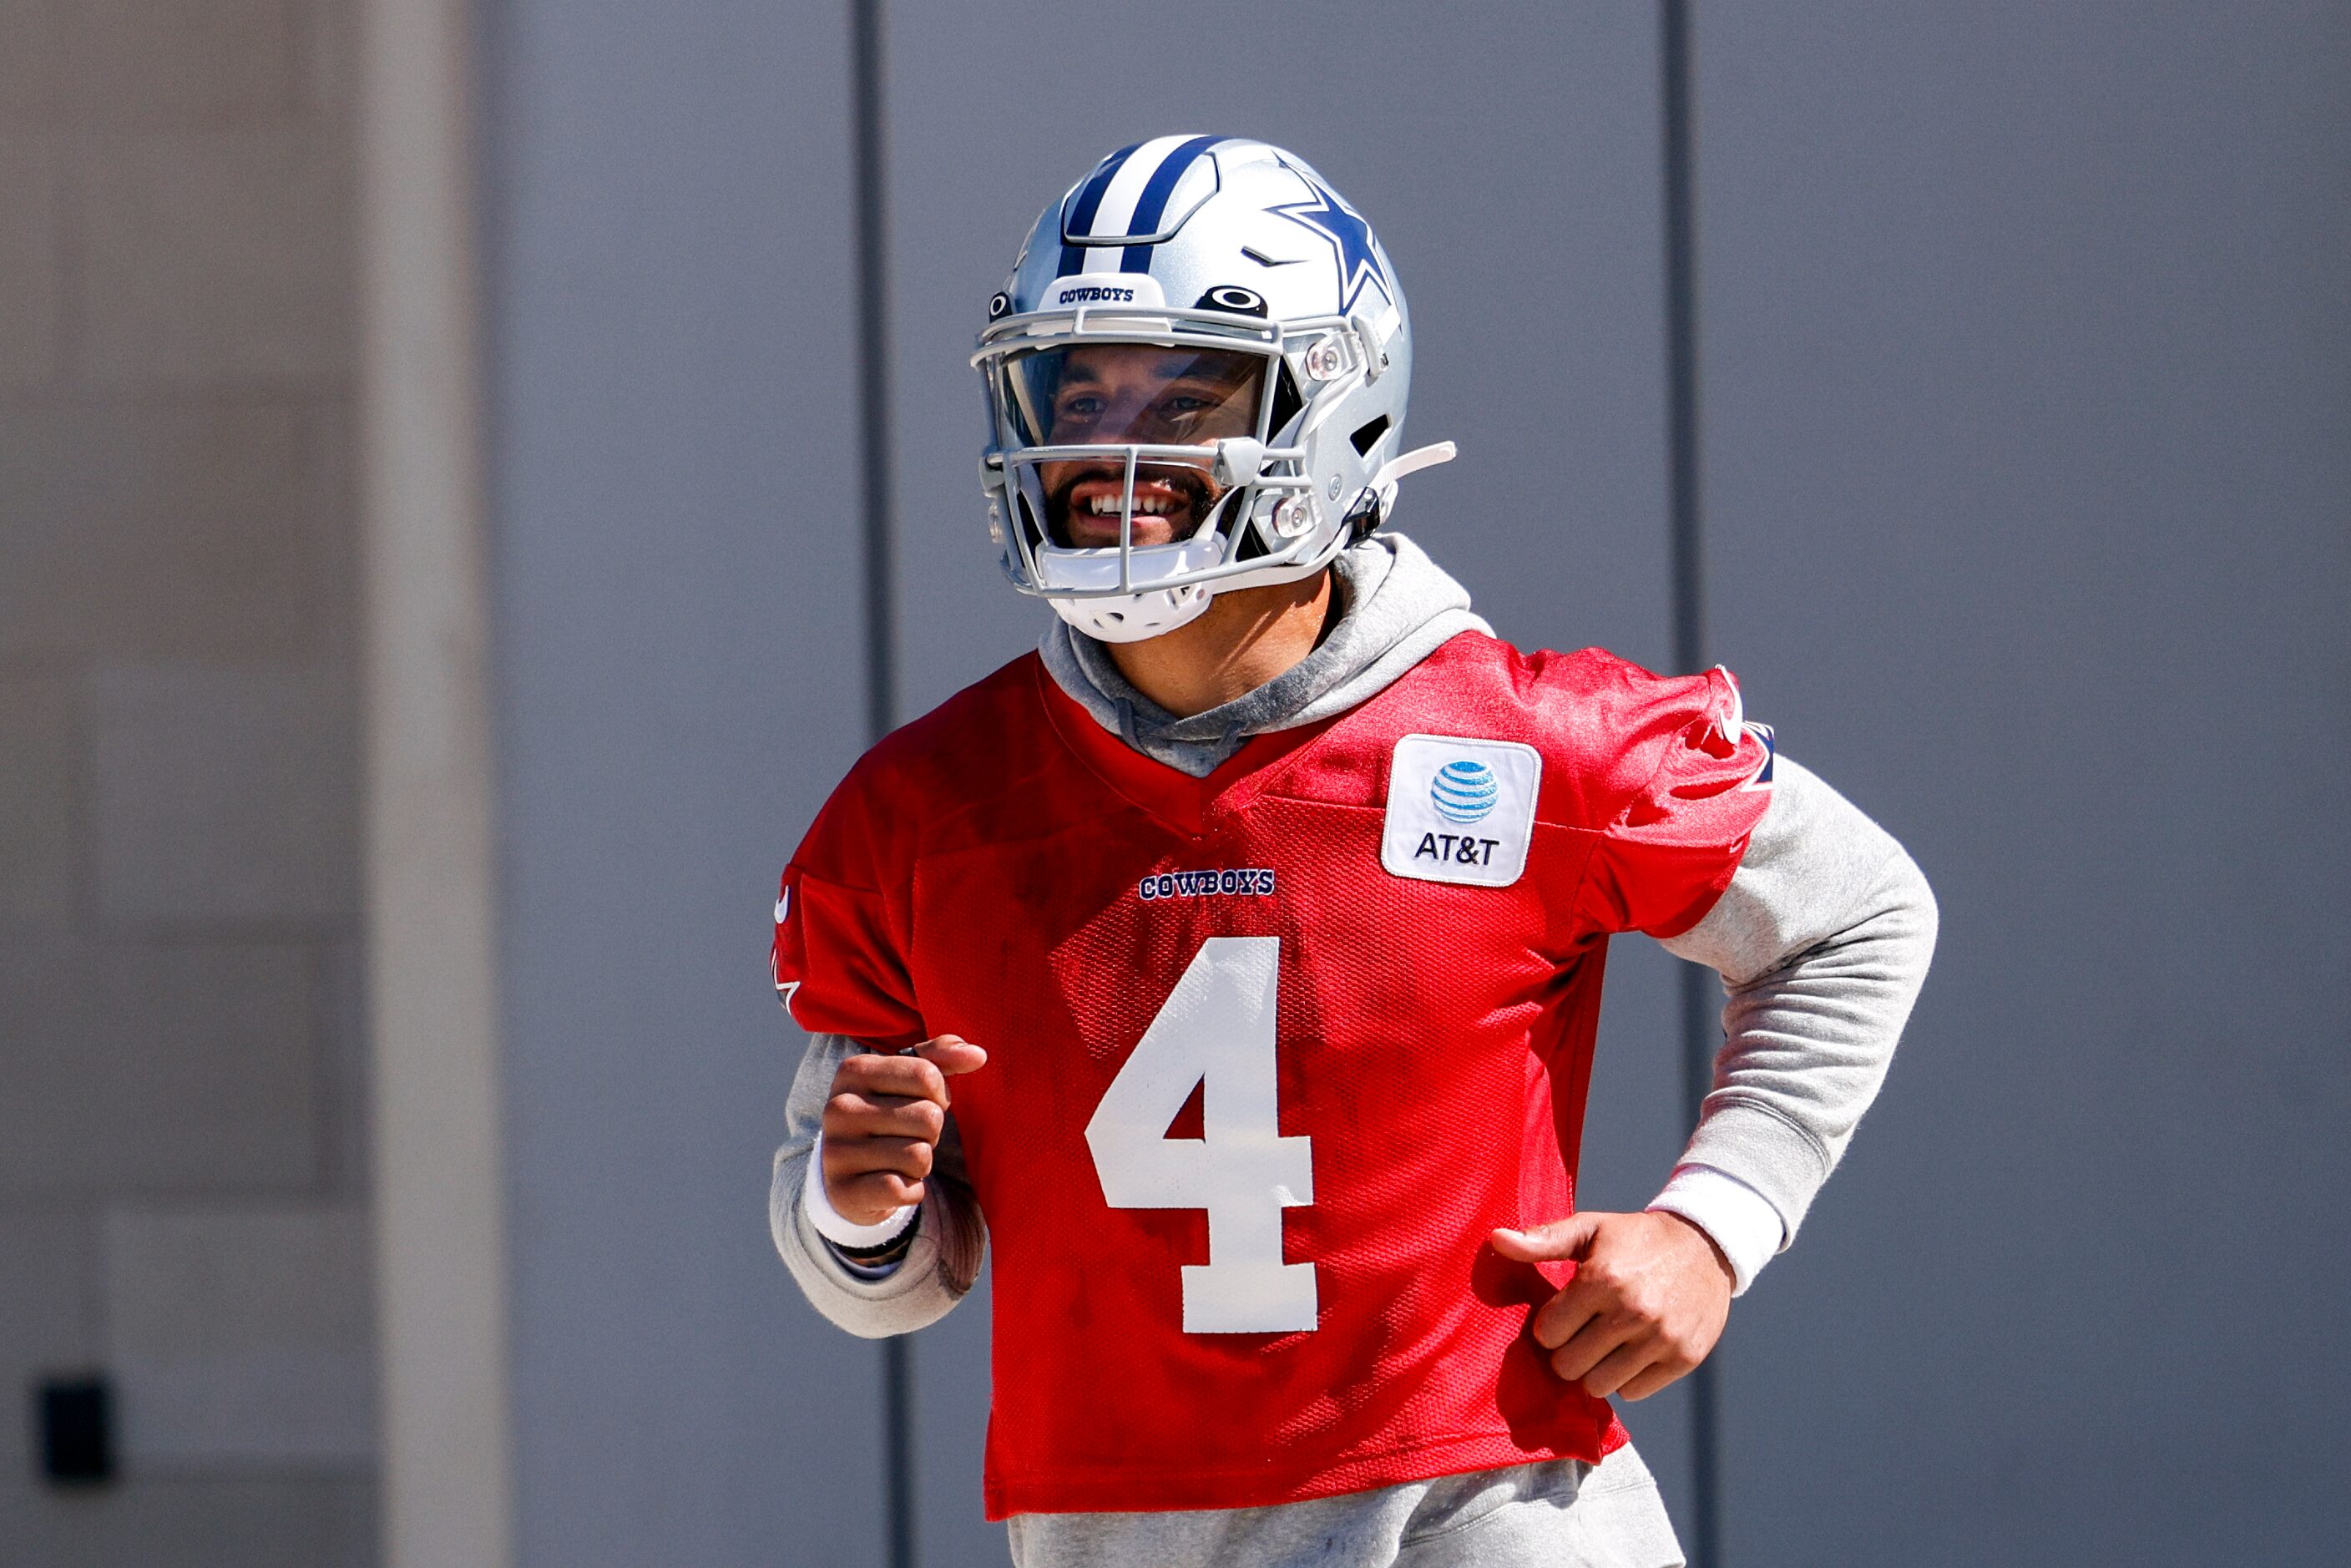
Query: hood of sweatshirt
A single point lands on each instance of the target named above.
(1397, 608)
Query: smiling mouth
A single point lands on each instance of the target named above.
(1168, 507)
(1147, 504)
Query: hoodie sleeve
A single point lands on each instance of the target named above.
(939, 1267)
(1822, 940)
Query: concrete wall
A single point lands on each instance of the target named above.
(182, 1172)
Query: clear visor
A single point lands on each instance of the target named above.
(1107, 394)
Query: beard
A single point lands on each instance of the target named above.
(1195, 492)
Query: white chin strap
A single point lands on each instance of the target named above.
(1129, 617)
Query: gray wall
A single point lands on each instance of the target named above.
(674, 603)
(2024, 445)
(2029, 440)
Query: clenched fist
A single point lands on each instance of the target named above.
(1649, 1297)
(881, 1125)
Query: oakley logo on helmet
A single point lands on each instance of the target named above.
(1231, 297)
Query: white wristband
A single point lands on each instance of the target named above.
(1742, 1220)
(832, 1225)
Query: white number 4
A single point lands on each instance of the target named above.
(1215, 1031)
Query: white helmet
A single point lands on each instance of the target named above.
(1200, 330)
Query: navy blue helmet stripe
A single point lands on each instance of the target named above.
(1154, 204)
(1080, 217)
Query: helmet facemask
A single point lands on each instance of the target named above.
(1120, 400)
(1133, 475)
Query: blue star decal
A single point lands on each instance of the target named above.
(1350, 237)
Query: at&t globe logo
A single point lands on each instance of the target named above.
(1464, 791)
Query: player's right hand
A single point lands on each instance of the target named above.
(881, 1125)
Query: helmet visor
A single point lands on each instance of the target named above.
(1119, 396)
(1089, 394)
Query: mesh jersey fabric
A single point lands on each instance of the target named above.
(983, 872)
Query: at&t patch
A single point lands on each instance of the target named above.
(1460, 810)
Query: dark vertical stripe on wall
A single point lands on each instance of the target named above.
(873, 366)
(1681, 343)
(1701, 1000)
(871, 197)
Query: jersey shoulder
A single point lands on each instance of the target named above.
(994, 719)
(1604, 727)
(949, 776)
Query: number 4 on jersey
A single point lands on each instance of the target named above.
(1215, 1031)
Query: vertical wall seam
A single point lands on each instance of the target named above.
(870, 196)
(1686, 541)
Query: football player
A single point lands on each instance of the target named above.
(1230, 965)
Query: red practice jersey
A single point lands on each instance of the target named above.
(1270, 1052)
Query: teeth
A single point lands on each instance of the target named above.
(1145, 506)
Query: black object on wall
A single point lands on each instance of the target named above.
(76, 1418)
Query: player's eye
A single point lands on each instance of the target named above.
(1079, 406)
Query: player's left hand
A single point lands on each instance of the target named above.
(1649, 1297)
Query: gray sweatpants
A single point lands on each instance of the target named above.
(1561, 1514)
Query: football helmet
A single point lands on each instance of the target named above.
(1196, 380)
